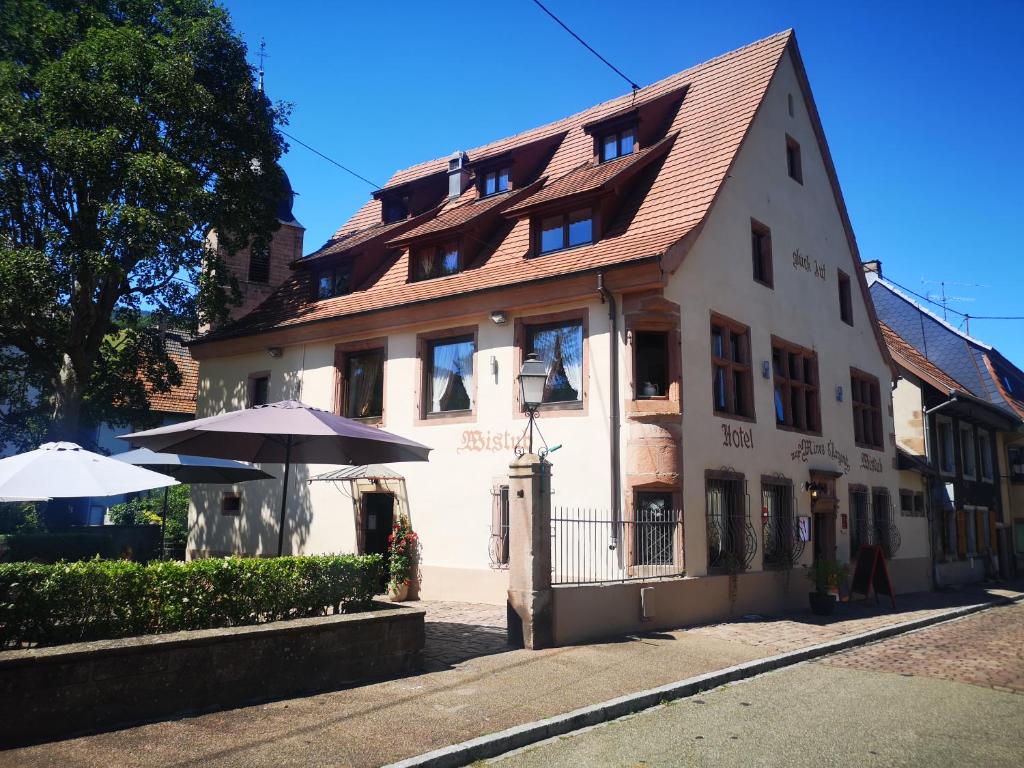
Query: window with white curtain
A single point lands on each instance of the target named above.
(449, 374)
(560, 346)
(364, 384)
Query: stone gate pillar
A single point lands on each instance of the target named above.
(530, 600)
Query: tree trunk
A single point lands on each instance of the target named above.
(67, 402)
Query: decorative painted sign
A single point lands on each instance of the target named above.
(484, 441)
(871, 463)
(807, 448)
(806, 263)
(804, 528)
(737, 437)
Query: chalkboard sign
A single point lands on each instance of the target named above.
(871, 571)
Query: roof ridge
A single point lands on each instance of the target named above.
(594, 107)
(945, 323)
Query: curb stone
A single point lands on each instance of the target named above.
(500, 742)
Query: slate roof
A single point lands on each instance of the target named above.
(973, 366)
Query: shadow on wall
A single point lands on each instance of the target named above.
(249, 527)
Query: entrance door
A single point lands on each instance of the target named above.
(824, 536)
(378, 517)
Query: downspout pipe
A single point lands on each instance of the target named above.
(614, 419)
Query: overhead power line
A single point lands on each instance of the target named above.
(332, 161)
(583, 42)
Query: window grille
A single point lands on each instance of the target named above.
(859, 528)
(782, 546)
(885, 532)
(498, 543)
(731, 538)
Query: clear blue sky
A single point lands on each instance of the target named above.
(922, 104)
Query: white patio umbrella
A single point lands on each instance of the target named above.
(67, 471)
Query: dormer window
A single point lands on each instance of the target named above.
(566, 230)
(495, 181)
(395, 209)
(438, 261)
(618, 143)
(335, 281)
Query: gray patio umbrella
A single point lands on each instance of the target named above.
(190, 469)
(286, 432)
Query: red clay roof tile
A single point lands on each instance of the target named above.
(721, 99)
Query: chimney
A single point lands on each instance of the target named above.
(458, 174)
(874, 266)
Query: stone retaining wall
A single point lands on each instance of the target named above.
(51, 693)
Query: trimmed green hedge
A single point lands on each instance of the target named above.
(103, 599)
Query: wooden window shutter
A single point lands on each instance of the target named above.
(992, 545)
(961, 534)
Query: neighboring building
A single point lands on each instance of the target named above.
(682, 259)
(958, 411)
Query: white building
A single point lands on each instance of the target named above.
(683, 260)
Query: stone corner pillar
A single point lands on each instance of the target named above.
(530, 598)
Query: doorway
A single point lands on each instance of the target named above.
(824, 508)
(824, 535)
(377, 519)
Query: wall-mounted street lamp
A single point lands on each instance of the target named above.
(815, 489)
(532, 377)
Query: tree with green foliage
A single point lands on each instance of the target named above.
(148, 509)
(129, 129)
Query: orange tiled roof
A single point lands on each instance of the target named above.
(908, 355)
(456, 216)
(721, 98)
(590, 178)
(182, 398)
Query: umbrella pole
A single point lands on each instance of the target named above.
(163, 528)
(284, 494)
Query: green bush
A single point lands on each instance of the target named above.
(102, 599)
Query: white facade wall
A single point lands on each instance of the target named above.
(450, 496)
(803, 308)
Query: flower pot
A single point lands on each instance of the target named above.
(822, 603)
(399, 592)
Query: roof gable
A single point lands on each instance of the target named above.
(719, 100)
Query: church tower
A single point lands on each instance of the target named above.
(261, 271)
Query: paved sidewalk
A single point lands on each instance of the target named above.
(472, 687)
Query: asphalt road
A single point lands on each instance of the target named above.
(903, 701)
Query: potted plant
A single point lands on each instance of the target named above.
(402, 553)
(826, 576)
